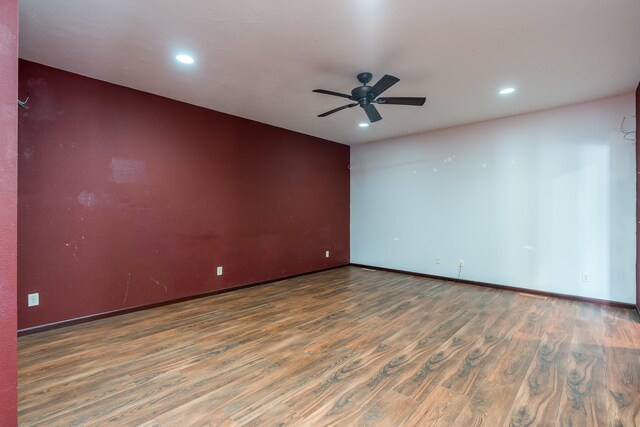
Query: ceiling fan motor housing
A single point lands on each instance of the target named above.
(361, 94)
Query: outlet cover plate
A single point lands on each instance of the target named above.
(33, 300)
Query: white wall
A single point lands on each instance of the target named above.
(531, 201)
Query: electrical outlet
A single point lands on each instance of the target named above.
(585, 277)
(461, 263)
(219, 271)
(33, 299)
(437, 260)
(326, 254)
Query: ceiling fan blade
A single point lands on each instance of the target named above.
(328, 92)
(383, 84)
(403, 100)
(372, 113)
(335, 110)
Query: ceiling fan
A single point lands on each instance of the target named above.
(366, 96)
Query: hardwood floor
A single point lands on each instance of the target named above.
(348, 346)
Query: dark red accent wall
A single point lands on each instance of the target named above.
(8, 209)
(129, 199)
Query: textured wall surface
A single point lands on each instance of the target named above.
(637, 199)
(128, 199)
(543, 201)
(8, 202)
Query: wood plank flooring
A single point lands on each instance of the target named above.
(348, 346)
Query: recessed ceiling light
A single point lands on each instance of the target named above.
(364, 125)
(185, 59)
(507, 90)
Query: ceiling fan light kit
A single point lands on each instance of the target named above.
(366, 96)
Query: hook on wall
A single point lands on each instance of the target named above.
(23, 104)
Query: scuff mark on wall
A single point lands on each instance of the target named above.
(75, 249)
(160, 284)
(126, 293)
(28, 152)
(128, 171)
(88, 200)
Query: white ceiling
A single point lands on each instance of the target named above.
(260, 59)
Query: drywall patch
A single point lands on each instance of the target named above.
(88, 200)
(128, 171)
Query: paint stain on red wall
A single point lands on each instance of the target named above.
(128, 199)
